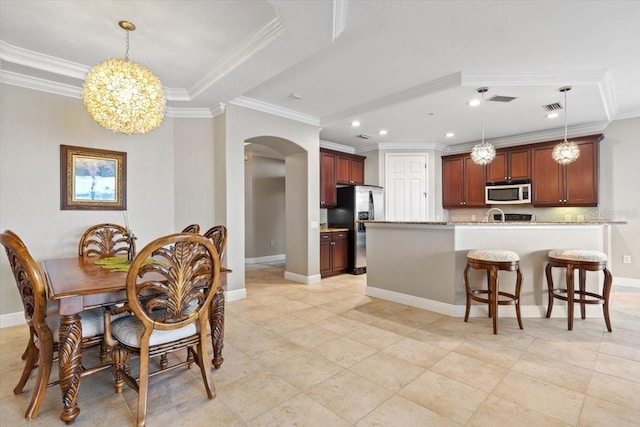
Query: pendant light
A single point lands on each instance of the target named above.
(567, 151)
(123, 96)
(483, 153)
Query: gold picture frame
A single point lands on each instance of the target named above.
(92, 179)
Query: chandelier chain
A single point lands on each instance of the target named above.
(126, 52)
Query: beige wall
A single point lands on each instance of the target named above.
(264, 207)
(33, 126)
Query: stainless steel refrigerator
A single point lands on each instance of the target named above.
(357, 202)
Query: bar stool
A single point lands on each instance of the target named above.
(582, 260)
(493, 260)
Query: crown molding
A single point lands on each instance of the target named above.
(628, 115)
(412, 146)
(189, 113)
(337, 147)
(424, 89)
(39, 61)
(575, 77)
(339, 18)
(275, 110)
(39, 84)
(534, 137)
(252, 45)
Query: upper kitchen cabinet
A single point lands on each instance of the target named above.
(337, 168)
(463, 182)
(349, 169)
(575, 184)
(510, 164)
(328, 193)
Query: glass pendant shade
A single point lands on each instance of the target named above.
(123, 96)
(567, 151)
(483, 153)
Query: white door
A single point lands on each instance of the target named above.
(406, 183)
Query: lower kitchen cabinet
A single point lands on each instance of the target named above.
(334, 249)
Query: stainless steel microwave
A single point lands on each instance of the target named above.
(508, 192)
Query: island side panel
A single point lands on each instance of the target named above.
(417, 261)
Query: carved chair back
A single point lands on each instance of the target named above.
(176, 289)
(104, 240)
(218, 235)
(191, 228)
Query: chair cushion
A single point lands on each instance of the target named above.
(128, 330)
(92, 321)
(578, 255)
(497, 255)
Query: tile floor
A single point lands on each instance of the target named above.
(327, 355)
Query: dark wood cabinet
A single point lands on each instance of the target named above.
(510, 164)
(338, 168)
(328, 193)
(575, 184)
(463, 182)
(334, 250)
(349, 169)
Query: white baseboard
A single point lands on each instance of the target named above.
(626, 281)
(235, 295)
(307, 280)
(528, 311)
(12, 319)
(266, 259)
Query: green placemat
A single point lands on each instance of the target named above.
(119, 263)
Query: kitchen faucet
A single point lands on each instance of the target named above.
(486, 218)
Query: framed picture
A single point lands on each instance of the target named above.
(92, 179)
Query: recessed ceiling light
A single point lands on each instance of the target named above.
(449, 134)
(474, 103)
(552, 115)
(296, 96)
(355, 123)
(382, 132)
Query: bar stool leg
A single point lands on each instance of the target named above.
(550, 286)
(466, 286)
(606, 290)
(489, 306)
(518, 285)
(494, 297)
(582, 273)
(570, 288)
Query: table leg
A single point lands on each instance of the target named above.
(70, 361)
(216, 321)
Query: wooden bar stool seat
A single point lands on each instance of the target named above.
(582, 260)
(493, 260)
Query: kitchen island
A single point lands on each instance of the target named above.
(421, 263)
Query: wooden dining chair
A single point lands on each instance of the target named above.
(43, 322)
(191, 228)
(170, 301)
(104, 240)
(218, 235)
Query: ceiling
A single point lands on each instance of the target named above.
(409, 67)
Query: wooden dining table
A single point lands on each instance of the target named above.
(78, 284)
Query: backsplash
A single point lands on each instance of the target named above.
(570, 214)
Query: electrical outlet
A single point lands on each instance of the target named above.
(567, 218)
(580, 218)
(626, 259)
(473, 217)
(272, 243)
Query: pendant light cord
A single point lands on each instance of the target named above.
(483, 117)
(565, 115)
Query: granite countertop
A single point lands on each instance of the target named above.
(602, 222)
(332, 229)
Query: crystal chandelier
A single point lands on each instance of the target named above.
(123, 96)
(483, 153)
(567, 151)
